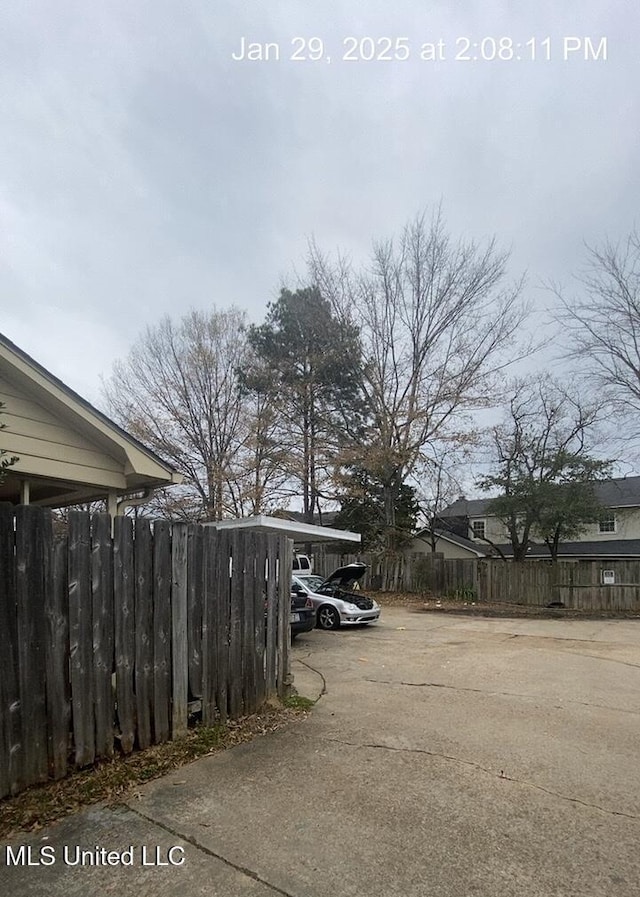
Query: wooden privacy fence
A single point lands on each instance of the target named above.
(416, 572)
(107, 642)
(433, 573)
(577, 584)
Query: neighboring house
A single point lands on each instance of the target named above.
(69, 452)
(450, 545)
(615, 534)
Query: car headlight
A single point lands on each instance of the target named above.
(351, 608)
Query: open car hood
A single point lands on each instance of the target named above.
(345, 577)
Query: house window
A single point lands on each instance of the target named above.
(607, 524)
(478, 528)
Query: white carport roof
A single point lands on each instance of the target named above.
(299, 532)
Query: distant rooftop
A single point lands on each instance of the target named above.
(612, 548)
(622, 492)
(478, 548)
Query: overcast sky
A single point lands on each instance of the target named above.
(144, 171)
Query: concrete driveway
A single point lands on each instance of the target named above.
(447, 756)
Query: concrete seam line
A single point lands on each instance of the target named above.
(506, 694)
(313, 670)
(626, 663)
(216, 856)
(492, 772)
(569, 652)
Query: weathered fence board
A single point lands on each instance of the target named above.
(195, 607)
(56, 610)
(30, 585)
(162, 678)
(124, 629)
(180, 709)
(235, 624)
(10, 707)
(103, 639)
(248, 626)
(284, 615)
(209, 645)
(259, 598)
(81, 639)
(223, 602)
(144, 631)
(102, 619)
(271, 660)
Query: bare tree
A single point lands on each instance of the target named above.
(437, 323)
(604, 321)
(542, 466)
(439, 481)
(259, 479)
(178, 392)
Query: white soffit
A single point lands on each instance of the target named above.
(299, 532)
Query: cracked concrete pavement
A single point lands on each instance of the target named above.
(445, 756)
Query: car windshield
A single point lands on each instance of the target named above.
(313, 582)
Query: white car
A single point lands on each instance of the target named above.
(333, 599)
(302, 565)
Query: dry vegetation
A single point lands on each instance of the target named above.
(112, 781)
(428, 603)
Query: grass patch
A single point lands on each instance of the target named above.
(112, 781)
(298, 702)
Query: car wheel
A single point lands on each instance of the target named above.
(328, 617)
